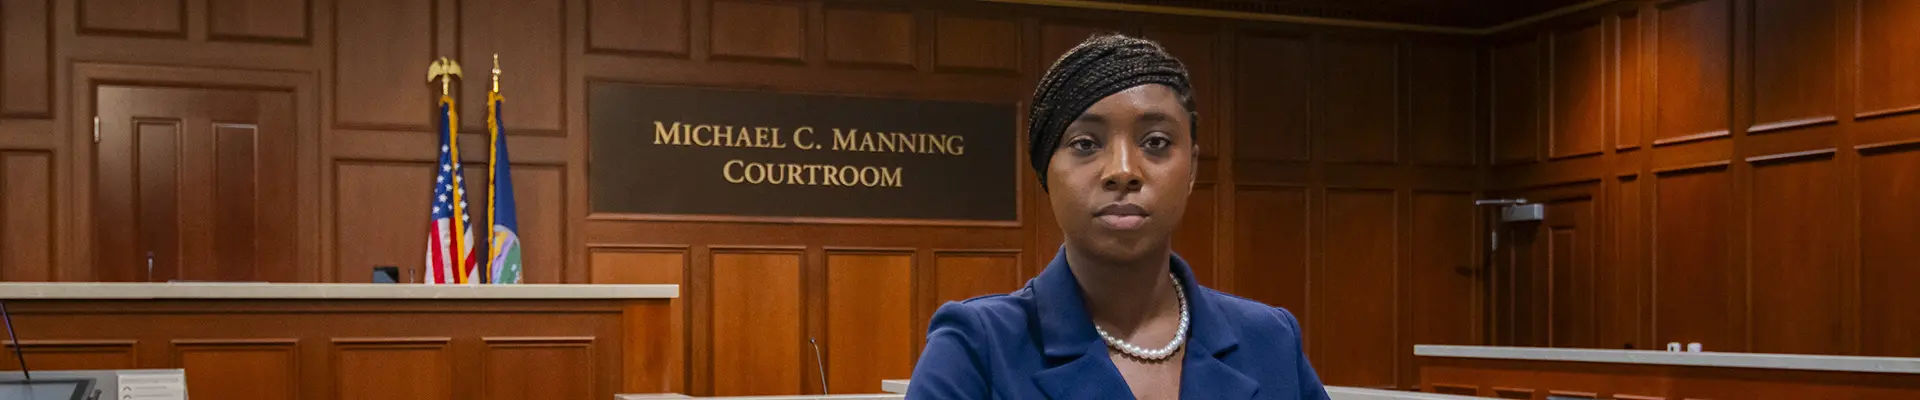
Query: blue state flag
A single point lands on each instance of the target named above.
(503, 221)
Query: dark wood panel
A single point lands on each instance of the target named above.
(870, 326)
(964, 275)
(1513, 393)
(1446, 289)
(1579, 87)
(756, 323)
(540, 368)
(1057, 38)
(1454, 389)
(1885, 37)
(1194, 241)
(381, 48)
(157, 198)
(1888, 259)
(240, 368)
(540, 193)
(1356, 334)
(871, 38)
(1628, 69)
(1693, 68)
(655, 362)
(235, 179)
(963, 43)
(26, 85)
(1797, 296)
(644, 265)
(526, 35)
(1360, 104)
(385, 225)
(1570, 272)
(1516, 102)
(27, 210)
(625, 26)
(1270, 225)
(1269, 127)
(1441, 125)
(774, 31)
(162, 18)
(55, 355)
(1197, 52)
(1794, 60)
(1693, 276)
(393, 369)
(1621, 286)
(285, 21)
(1444, 275)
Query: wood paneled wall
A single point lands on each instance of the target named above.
(399, 349)
(1338, 164)
(1748, 165)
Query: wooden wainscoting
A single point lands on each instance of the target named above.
(360, 349)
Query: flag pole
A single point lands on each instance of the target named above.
(493, 160)
(447, 70)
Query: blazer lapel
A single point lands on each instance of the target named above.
(1079, 367)
(1212, 337)
(1086, 377)
(1207, 378)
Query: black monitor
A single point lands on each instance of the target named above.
(48, 389)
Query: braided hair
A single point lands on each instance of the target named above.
(1098, 67)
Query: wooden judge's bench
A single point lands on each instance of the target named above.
(1567, 374)
(356, 341)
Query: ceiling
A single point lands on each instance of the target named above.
(1449, 13)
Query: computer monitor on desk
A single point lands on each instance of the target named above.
(97, 384)
(49, 389)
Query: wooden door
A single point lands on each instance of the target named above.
(1543, 278)
(1515, 283)
(1569, 262)
(200, 181)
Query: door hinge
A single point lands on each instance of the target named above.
(96, 129)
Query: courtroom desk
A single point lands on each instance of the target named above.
(1536, 373)
(355, 341)
(1336, 392)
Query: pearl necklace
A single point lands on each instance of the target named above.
(1179, 337)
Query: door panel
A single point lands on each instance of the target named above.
(1542, 279)
(196, 182)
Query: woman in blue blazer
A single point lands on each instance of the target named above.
(1116, 314)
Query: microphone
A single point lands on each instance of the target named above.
(816, 362)
(16, 342)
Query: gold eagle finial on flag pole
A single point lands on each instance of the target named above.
(444, 69)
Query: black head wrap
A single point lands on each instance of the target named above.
(1097, 68)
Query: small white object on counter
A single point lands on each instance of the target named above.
(1807, 362)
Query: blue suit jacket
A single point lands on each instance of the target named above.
(1039, 342)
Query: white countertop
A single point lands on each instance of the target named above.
(215, 290)
(1891, 365)
(897, 386)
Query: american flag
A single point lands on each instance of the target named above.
(449, 199)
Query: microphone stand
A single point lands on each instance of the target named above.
(22, 356)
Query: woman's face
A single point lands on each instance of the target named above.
(1120, 179)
